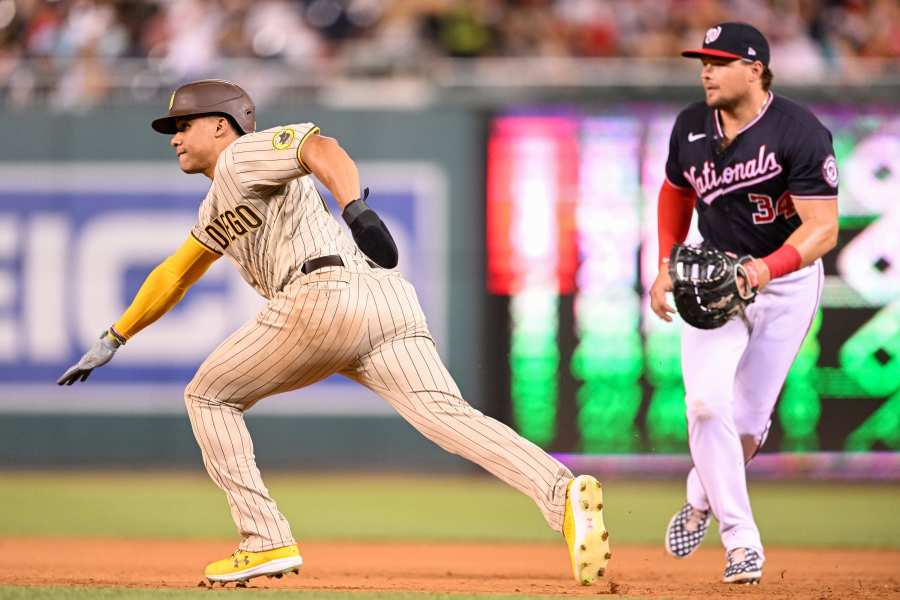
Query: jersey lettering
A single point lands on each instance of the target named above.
(785, 206)
(215, 234)
(236, 225)
(224, 227)
(767, 212)
(231, 225)
(710, 184)
(248, 216)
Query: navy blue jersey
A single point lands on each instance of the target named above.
(746, 192)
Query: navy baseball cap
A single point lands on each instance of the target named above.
(733, 40)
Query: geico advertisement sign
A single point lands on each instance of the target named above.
(72, 259)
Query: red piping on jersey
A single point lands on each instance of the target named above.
(674, 211)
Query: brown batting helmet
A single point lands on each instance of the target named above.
(209, 97)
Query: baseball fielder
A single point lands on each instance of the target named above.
(332, 308)
(761, 171)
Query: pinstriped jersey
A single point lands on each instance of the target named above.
(746, 190)
(264, 212)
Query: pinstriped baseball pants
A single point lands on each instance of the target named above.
(367, 325)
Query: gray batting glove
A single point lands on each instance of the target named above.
(100, 353)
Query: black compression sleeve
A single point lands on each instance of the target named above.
(371, 234)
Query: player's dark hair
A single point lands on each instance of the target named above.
(231, 121)
(767, 78)
(235, 126)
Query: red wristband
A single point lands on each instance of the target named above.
(783, 261)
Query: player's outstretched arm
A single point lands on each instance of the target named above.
(324, 158)
(162, 290)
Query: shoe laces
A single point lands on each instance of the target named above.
(737, 555)
(695, 519)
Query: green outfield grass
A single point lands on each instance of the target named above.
(161, 505)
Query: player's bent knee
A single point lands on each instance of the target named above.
(191, 395)
(193, 399)
(703, 407)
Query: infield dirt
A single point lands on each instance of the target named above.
(636, 571)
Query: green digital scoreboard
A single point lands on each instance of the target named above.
(577, 358)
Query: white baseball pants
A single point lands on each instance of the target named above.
(732, 377)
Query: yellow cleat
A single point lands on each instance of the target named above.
(584, 530)
(243, 565)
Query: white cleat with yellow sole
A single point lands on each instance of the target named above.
(584, 529)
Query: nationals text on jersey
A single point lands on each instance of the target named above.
(741, 174)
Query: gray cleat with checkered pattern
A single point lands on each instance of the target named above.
(686, 531)
(744, 566)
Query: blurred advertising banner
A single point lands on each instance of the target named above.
(77, 241)
(571, 247)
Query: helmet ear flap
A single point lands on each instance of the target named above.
(246, 116)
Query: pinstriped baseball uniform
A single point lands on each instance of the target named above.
(362, 322)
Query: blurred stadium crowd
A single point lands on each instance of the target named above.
(79, 48)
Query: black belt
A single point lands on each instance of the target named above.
(332, 260)
(314, 264)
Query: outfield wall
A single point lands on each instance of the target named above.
(90, 202)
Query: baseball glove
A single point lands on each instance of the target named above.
(710, 286)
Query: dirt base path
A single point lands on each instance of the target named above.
(473, 568)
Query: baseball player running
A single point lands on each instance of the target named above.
(761, 171)
(334, 306)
